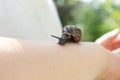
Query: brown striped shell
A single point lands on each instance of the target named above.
(69, 34)
(72, 31)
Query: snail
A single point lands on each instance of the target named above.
(69, 34)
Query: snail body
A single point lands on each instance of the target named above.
(69, 34)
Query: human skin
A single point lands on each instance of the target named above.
(36, 60)
(110, 40)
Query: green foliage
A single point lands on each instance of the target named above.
(94, 18)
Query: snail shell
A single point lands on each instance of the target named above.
(69, 34)
(73, 32)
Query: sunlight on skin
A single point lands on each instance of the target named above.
(9, 44)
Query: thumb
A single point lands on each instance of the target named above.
(108, 36)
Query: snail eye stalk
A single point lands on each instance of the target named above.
(55, 37)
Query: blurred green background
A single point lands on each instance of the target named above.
(93, 17)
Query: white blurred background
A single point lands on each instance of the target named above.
(29, 19)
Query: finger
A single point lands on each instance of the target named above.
(117, 38)
(108, 37)
(116, 45)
